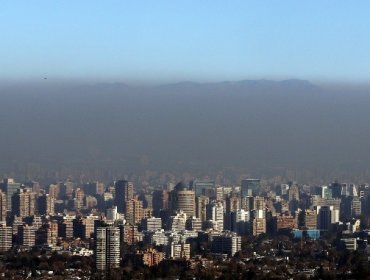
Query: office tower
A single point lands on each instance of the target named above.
(46, 204)
(200, 187)
(124, 191)
(152, 224)
(250, 187)
(2, 207)
(5, 238)
(23, 203)
(226, 243)
(27, 235)
(182, 198)
(134, 211)
(336, 189)
(201, 207)
(323, 218)
(160, 201)
(10, 187)
(107, 248)
(215, 212)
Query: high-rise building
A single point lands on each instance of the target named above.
(219, 193)
(84, 227)
(293, 193)
(324, 218)
(93, 188)
(160, 201)
(178, 222)
(131, 234)
(239, 221)
(124, 191)
(326, 192)
(215, 212)
(226, 243)
(200, 187)
(152, 257)
(23, 203)
(66, 190)
(46, 204)
(285, 221)
(310, 219)
(66, 228)
(247, 203)
(336, 189)
(54, 190)
(232, 204)
(112, 214)
(52, 233)
(78, 197)
(250, 187)
(5, 238)
(201, 207)
(27, 235)
(356, 206)
(194, 224)
(2, 207)
(182, 198)
(10, 187)
(180, 250)
(259, 226)
(107, 248)
(259, 203)
(152, 224)
(134, 211)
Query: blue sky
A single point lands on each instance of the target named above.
(160, 41)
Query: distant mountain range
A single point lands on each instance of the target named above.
(289, 128)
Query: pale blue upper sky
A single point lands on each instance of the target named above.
(159, 41)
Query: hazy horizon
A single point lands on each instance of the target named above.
(261, 128)
(262, 89)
